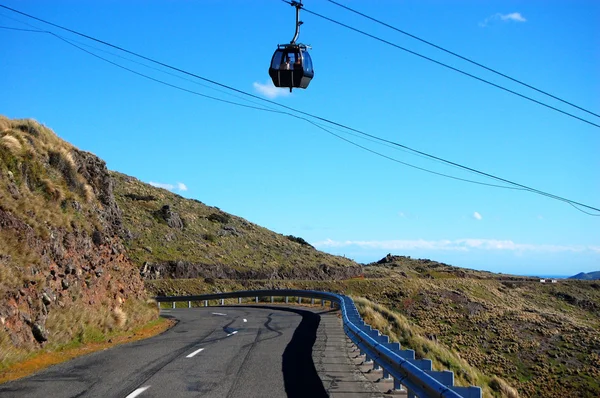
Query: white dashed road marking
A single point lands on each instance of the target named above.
(138, 392)
(218, 313)
(194, 353)
(245, 320)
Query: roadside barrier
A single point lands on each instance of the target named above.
(414, 375)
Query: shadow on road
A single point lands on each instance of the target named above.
(300, 376)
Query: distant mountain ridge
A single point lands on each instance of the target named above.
(587, 276)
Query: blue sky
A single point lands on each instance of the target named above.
(288, 175)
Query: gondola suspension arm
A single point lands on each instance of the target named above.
(298, 5)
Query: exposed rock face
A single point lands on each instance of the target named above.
(59, 240)
(94, 171)
(185, 270)
(172, 218)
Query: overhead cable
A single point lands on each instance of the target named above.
(362, 32)
(462, 57)
(475, 171)
(260, 109)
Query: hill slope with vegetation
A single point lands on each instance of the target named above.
(590, 276)
(512, 335)
(64, 275)
(77, 242)
(169, 236)
(541, 337)
(82, 248)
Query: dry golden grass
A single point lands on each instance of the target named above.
(11, 143)
(44, 359)
(119, 316)
(4, 124)
(397, 327)
(88, 193)
(503, 387)
(78, 324)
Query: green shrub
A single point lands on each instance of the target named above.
(223, 218)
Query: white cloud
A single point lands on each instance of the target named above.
(161, 185)
(477, 216)
(513, 16)
(401, 214)
(270, 91)
(179, 187)
(461, 245)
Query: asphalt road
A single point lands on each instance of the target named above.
(212, 352)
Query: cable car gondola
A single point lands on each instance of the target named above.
(291, 65)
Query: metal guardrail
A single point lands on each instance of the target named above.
(414, 374)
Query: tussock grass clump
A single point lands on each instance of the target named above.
(42, 178)
(11, 143)
(76, 325)
(498, 384)
(397, 327)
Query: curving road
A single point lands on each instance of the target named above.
(214, 352)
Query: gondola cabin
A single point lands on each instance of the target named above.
(291, 66)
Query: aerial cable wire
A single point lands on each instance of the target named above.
(461, 57)
(273, 102)
(71, 42)
(362, 32)
(263, 109)
(475, 171)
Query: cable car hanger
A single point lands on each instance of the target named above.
(298, 5)
(291, 65)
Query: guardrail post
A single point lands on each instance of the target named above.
(374, 347)
(312, 301)
(386, 375)
(397, 385)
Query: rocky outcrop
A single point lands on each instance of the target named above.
(62, 263)
(170, 217)
(186, 270)
(94, 171)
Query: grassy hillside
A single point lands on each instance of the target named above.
(587, 276)
(177, 237)
(81, 248)
(511, 335)
(64, 277)
(541, 338)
